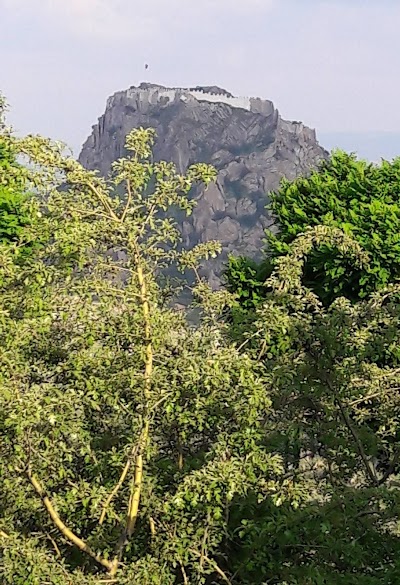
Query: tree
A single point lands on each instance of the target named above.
(361, 199)
(137, 449)
(14, 214)
(245, 278)
(334, 379)
(126, 436)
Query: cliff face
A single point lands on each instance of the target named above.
(244, 138)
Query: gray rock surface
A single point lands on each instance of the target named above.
(248, 142)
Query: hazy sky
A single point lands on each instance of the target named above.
(334, 64)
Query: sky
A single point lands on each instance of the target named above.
(333, 64)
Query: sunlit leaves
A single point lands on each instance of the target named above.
(76, 324)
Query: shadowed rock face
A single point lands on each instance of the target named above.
(245, 139)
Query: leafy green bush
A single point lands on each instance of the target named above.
(138, 450)
(334, 383)
(361, 199)
(125, 434)
(14, 208)
(14, 216)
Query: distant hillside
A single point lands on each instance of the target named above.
(244, 138)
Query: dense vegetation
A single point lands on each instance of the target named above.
(14, 215)
(138, 449)
(361, 199)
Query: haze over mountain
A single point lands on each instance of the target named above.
(372, 146)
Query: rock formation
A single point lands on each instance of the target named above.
(248, 142)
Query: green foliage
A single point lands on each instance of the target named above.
(14, 216)
(333, 369)
(126, 434)
(362, 200)
(14, 211)
(247, 277)
(333, 376)
(136, 449)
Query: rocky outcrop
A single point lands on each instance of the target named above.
(248, 142)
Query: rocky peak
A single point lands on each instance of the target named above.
(245, 138)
